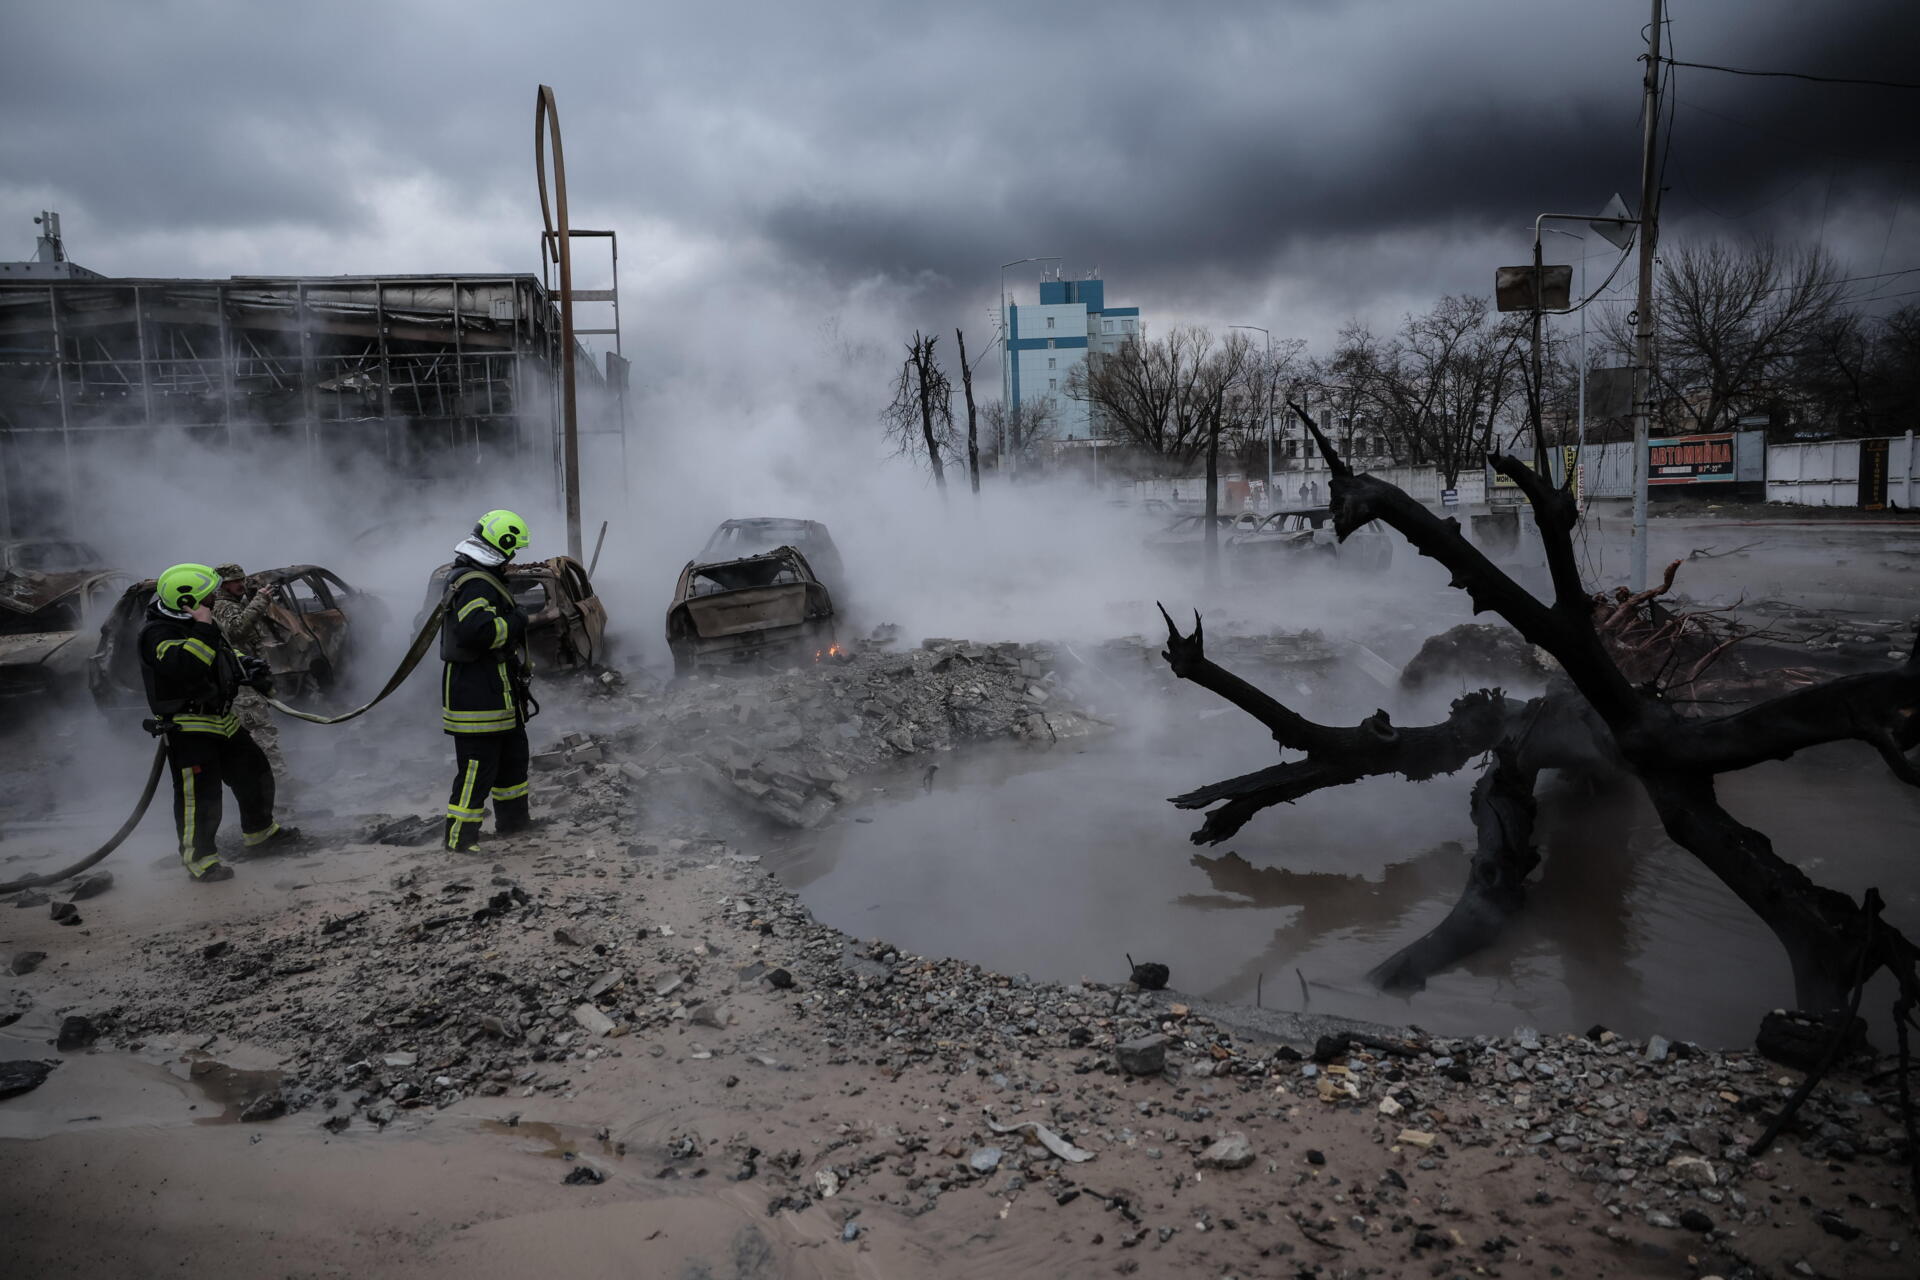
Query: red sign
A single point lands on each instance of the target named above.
(1691, 459)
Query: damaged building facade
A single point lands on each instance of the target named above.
(422, 376)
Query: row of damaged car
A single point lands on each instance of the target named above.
(1259, 543)
(751, 596)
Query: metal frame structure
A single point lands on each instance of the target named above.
(428, 372)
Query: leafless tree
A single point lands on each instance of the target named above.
(1858, 374)
(1017, 432)
(920, 416)
(1167, 396)
(1439, 386)
(1175, 397)
(1256, 406)
(1730, 324)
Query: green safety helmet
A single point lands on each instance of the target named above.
(502, 530)
(185, 587)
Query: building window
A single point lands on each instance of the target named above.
(1051, 362)
(1053, 384)
(1126, 326)
(1106, 326)
(1049, 322)
(1050, 343)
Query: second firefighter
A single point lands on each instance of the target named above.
(484, 700)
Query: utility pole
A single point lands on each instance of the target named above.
(1643, 305)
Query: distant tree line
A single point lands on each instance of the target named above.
(1741, 332)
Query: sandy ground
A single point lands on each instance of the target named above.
(629, 992)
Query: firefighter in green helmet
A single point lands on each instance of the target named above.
(484, 700)
(192, 673)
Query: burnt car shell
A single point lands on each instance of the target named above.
(45, 622)
(312, 626)
(1309, 531)
(568, 627)
(754, 608)
(761, 535)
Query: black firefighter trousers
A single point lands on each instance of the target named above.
(200, 763)
(488, 766)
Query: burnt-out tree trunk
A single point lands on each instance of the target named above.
(930, 384)
(922, 407)
(1596, 720)
(973, 414)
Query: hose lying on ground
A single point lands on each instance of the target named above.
(417, 651)
(126, 829)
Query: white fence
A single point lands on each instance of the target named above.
(1827, 474)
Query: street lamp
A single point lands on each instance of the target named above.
(1580, 431)
(1007, 406)
(1268, 379)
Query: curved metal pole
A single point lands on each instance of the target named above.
(558, 242)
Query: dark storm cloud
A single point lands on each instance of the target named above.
(1169, 145)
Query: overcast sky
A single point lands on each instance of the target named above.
(777, 170)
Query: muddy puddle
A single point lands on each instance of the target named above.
(1061, 863)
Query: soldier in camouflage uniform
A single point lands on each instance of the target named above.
(240, 619)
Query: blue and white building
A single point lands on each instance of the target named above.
(1047, 342)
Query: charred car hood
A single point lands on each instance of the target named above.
(28, 593)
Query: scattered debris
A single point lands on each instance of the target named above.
(1233, 1151)
(1142, 1056)
(1047, 1138)
(23, 1076)
(76, 1032)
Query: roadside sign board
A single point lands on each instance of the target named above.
(1702, 459)
(1450, 497)
(1873, 474)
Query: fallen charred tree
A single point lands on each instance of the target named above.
(1635, 698)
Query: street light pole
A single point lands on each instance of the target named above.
(1268, 379)
(1008, 409)
(1580, 430)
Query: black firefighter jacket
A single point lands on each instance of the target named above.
(191, 673)
(482, 639)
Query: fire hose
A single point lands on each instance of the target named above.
(415, 652)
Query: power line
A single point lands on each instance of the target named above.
(1796, 75)
(1783, 288)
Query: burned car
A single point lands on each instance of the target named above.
(1186, 536)
(758, 535)
(769, 607)
(1307, 531)
(313, 625)
(52, 593)
(568, 626)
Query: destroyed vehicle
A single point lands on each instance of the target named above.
(313, 628)
(26, 558)
(1188, 534)
(568, 624)
(759, 535)
(52, 593)
(761, 608)
(1308, 531)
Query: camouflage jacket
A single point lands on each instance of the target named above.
(240, 622)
